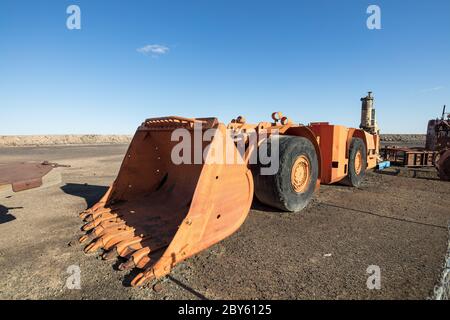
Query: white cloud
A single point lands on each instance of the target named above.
(153, 50)
(433, 89)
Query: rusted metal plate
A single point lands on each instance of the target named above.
(24, 175)
(409, 157)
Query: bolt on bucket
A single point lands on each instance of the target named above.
(175, 195)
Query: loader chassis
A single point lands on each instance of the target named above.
(158, 213)
(335, 142)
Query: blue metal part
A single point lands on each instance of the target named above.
(383, 165)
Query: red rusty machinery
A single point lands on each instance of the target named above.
(435, 154)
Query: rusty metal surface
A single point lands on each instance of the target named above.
(442, 130)
(24, 175)
(442, 140)
(443, 165)
(438, 133)
(409, 157)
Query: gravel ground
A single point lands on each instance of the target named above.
(397, 223)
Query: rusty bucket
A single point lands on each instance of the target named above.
(158, 211)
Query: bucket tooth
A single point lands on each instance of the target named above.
(111, 238)
(116, 223)
(87, 237)
(89, 218)
(89, 226)
(110, 255)
(93, 215)
(127, 247)
(91, 211)
(105, 217)
(129, 250)
(144, 262)
(93, 246)
(139, 255)
(142, 278)
(102, 229)
(84, 214)
(103, 222)
(128, 265)
(136, 258)
(101, 211)
(99, 231)
(128, 234)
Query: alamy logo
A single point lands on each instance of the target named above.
(374, 20)
(73, 22)
(374, 280)
(214, 146)
(73, 282)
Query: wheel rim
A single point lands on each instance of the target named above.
(358, 163)
(300, 175)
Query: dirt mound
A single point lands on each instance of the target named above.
(11, 141)
(403, 137)
(403, 140)
(70, 139)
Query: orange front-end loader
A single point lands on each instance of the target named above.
(160, 210)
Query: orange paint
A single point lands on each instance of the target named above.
(158, 213)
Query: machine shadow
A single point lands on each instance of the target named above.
(5, 216)
(388, 173)
(401, 219)
(197, 294)
(91, 193)
(259, 206)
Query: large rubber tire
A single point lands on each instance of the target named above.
(277, 190)
(356, 172)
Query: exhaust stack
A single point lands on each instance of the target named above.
(368, 115)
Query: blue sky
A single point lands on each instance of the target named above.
(312, 60)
